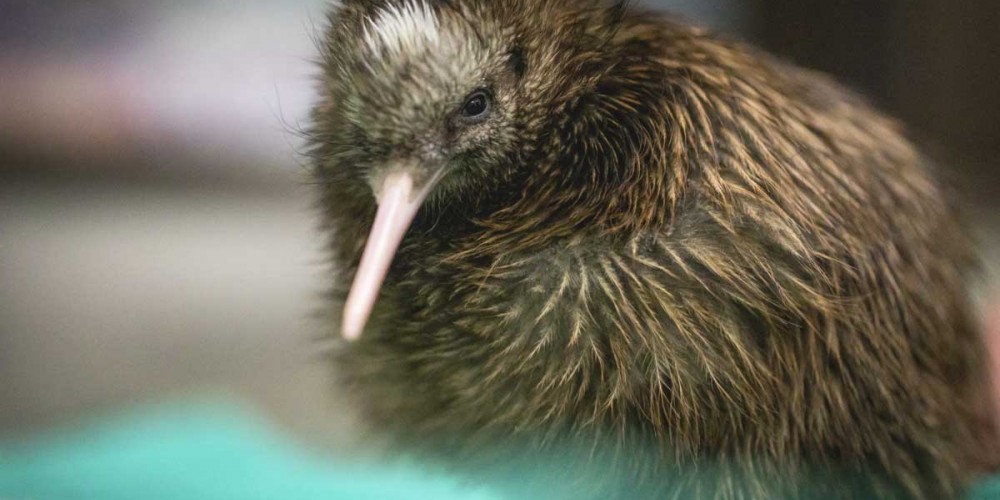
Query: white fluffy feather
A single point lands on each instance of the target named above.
(408, 26)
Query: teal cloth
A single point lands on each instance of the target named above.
(200, 452)
(987, 490)
(215, 452)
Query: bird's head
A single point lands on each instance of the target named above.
(436, 103)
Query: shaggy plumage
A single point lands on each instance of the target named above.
(659, 240)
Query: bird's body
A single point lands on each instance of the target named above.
(654, 237)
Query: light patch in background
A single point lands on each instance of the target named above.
(225, 85)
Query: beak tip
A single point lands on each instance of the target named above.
(352, 329)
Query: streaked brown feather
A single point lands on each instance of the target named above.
(686, 241)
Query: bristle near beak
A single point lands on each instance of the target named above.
(399, 198)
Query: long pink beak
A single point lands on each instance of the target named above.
(399, 199)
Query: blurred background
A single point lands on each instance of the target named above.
(156, 232)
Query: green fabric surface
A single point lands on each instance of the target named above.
(200, 452)
(987, 490)
(214, 452)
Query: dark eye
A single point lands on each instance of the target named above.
(477, 106)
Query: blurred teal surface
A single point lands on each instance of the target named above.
(200, 452)
(215, 452)
(988, 490)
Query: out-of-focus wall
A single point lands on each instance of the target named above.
(933, 64)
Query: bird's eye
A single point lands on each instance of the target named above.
(476, 107)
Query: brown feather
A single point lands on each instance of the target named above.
(678, 239)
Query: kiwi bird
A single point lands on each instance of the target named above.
(575, 220)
